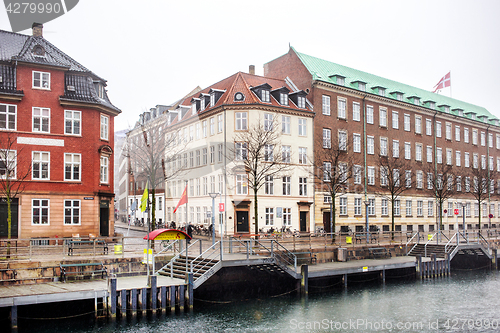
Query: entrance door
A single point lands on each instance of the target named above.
(104, 218)
(4, 227)
(303, 221)
(326, 221)
(242, 221)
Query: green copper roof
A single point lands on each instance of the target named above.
(327, 71)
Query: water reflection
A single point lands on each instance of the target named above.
(469, 300)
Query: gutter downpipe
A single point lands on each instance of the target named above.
(366, 202)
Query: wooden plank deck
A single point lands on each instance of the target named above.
(74, 290)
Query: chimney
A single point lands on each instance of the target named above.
(37, 29)
(251, 69)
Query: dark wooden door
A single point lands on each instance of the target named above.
(242, 221)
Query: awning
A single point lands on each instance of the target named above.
(167, 234)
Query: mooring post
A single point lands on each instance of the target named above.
(448, 264)
(182, 295)
(190, 299)
(154, 293)
(304, 282)
(123, 305)
(344, 278)
(133, 302)
(13, 317)
(494, 260)
(172, 298)
(112, 297)
(434, 270)
(382, 273)
(419, 267)
(163, 298)
(144, 300)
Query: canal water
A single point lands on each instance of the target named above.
(465, 302)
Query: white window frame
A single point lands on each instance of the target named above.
(241, 184)
(41, 204)
(327, 138)
(428, 126)
(302, 186)
(74, 119)
(407, 122)
(241, 121)
(370, 145)
(418, 152)
(341, 108)
(395, 148)
(302, 155)
(302, 127)
(457, 133)
(369, 114)
(42, 82)
(104, 170)
(286, 124)
(395, 120)
(356, 142)
(38, 158)
(466, 134)
(75, 161)
(104, 127)
(382, 117)
(418, 124)
(356, 111)
(72, 212)
(326, 105)
(42, 116)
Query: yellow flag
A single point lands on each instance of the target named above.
(144, 199)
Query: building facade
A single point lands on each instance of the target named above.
(58, 118)
(371, 116)
(209, 130)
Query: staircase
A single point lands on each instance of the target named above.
(439, 250)
(177, 267)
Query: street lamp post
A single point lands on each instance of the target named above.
(463, 217)
(367, 202)
(213, 196)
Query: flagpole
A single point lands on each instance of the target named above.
(450, 84)
(187, 222)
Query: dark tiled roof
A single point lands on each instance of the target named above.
(18, 47)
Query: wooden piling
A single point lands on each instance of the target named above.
(344, 279)
(433, 260)
(144, 300)
(181, 294)
(13, 317)
(123, 303)
(304, 282)
(419, 267)
(172, 298)
(154, 293)
(494, 259)
(112, 297)
(190, 299)
(133, 302)
(163, 299)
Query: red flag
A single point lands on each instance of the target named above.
(444, 82)
(183, 200)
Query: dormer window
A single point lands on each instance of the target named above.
(379, 90)
(483, 118)
(101, 92)
(202, 104)
(459, 112)
(281, 95)
(340, 80)
(416, 101)
(204, 101)
(283, 99)
(497, 122)
(265, 96)
(263, 91)
(473, 116)
(215, 94)
(446, 109)
(38, 51)
(398, 95)
(362, 86)
(302, 102)
(193, 108)
(299, 98)
(430, 104)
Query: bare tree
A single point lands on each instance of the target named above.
(332, 171)
(440, 184)
(13, 175)
(258, 151)
(395, 176)
(483, 185)
(155, 155)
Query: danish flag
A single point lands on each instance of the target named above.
(444, 82)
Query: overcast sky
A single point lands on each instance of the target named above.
(155, 52)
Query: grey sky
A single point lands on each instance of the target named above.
(155, 52)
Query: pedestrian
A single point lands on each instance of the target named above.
(189, 232)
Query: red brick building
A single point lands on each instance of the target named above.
(59, 120)
(373, 116)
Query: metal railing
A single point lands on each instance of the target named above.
(186, 251)
(164, 251)
(206, 259)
